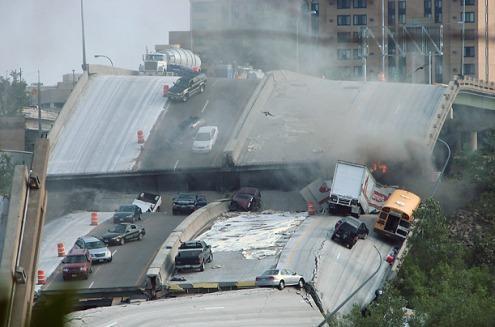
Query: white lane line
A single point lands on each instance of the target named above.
(96, 270)
(176, 164)
(213, 308)
(91, 285)
(166, 106)
(204, 107)
(338, 256)
(113, 253)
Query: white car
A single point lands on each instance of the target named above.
(205, 139)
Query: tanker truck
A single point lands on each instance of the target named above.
(170, 61)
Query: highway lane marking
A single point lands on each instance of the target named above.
(113, 253)
(206, 104)
(338, 256)
(176, 164)
(96, 270)
(166, 107)
(91, 285)
(213, 308)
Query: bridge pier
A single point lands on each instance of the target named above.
(473, 141)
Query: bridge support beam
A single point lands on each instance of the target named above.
(473, 141)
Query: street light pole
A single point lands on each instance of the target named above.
(383, 38)
(443, 168)
(84, 65)
(98, 56)
(40, 132)
(462, 35)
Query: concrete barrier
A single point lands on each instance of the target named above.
(163, 263)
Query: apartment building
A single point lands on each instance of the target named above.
(403, 40)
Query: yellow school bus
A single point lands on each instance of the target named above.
(396, 215)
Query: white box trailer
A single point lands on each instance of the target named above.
(352, 189)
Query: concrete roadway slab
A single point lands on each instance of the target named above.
(335, 270)
(254, 307)
(130, 261)
(227, 267)
(170, 143)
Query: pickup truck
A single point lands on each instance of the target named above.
(193, 255)
(148, 202)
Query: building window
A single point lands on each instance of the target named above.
(468, 51)
(469, 17)
(427, 8)
(391, 12)
(343, 4)
(469, 34)
(438, 69)
(344, 54)
(343, 20)
(359, 3)
(359, 19)
(438, 11)
(469, 69)
(402, 11)
(357, 53)
(357, 37)
(343, 37)
(469, 2)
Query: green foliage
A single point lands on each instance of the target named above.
(6, 174)
(13, 95)
(52, 311)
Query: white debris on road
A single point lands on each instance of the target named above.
(256, 235)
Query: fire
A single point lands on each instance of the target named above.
(379, 167)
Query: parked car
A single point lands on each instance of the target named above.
(205, 139)
(246, 199)
(279, 278)
(122, 233)
(127, 213)
(348, 230)
(188, 202)
(148, 202)
(96, 247)
(187, 86)
(77, 264)
(193, 255)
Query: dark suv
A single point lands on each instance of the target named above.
(188, 203)
(348, 230)
(246, 199)
(187, 86)
(77, 264)
(127, 213)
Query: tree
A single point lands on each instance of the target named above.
(13, 94)
(6, 174)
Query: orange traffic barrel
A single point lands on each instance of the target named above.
(41, 277)
(61, 249)
(311, 208)
(165, 90)
(94, 219)
(140, 137)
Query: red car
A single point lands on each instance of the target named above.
(77, 264)
(246, 199)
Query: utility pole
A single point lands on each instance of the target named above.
(20, 75)
(39, 106)
(383, 38)
(83, 41)
(73, 78)
(462, 35)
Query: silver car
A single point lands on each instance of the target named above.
(280, 278)
(96, 247)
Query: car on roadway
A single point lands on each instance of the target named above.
(187, 86)
(348, 230)
(97, 248)
(280, 278)
(193, 255)
(77, 264)
(205, 139)
(188, 203)
(246, 199)
(122, 233)
(127, 213)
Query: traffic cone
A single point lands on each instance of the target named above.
(311, 208)
(140, 137)
(61, 249)
(94, 219)
(41, 277)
